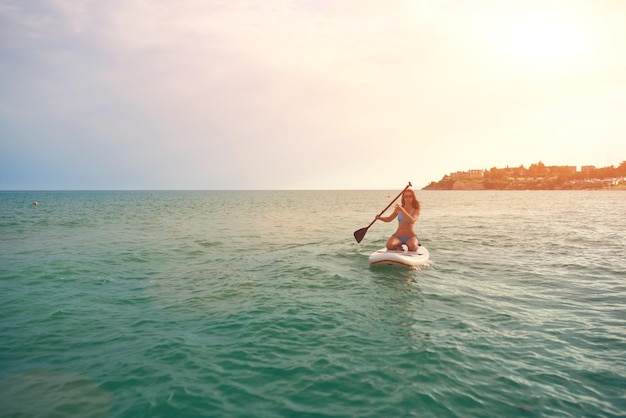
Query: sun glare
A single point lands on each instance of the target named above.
(538, 41)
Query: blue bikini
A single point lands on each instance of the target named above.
(404, 240)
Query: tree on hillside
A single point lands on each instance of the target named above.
(605, 172)
(538, 170)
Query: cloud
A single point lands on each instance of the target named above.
(289, 94)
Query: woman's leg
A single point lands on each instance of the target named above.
(394, 243)
(413, 243)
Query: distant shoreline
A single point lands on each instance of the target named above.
(611, 189)
(537, 177)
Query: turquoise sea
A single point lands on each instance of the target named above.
(261, 304)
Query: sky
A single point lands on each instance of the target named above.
(304, 94)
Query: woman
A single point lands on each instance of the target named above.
(407, 214)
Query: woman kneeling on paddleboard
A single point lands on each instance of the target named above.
(407, 214)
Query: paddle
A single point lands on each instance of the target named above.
(358, 235)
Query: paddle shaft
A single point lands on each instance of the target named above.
(391, 203)
(358, 235)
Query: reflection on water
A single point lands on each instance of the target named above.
(48, 393)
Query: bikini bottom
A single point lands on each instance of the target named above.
(404, 240)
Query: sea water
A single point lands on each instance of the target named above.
(261, 304)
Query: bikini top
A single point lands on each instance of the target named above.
(401, 219)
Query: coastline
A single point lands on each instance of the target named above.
(474, 186)
(536, 177)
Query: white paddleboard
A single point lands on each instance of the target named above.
(400, 257)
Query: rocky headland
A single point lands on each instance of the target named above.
(536, 177)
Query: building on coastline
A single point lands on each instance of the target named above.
(470, 174)
(587, 169)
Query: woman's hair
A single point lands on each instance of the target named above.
(415, 203)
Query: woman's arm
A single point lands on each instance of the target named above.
(406, 215)
(388, 218)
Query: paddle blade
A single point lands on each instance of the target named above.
(358, 235)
